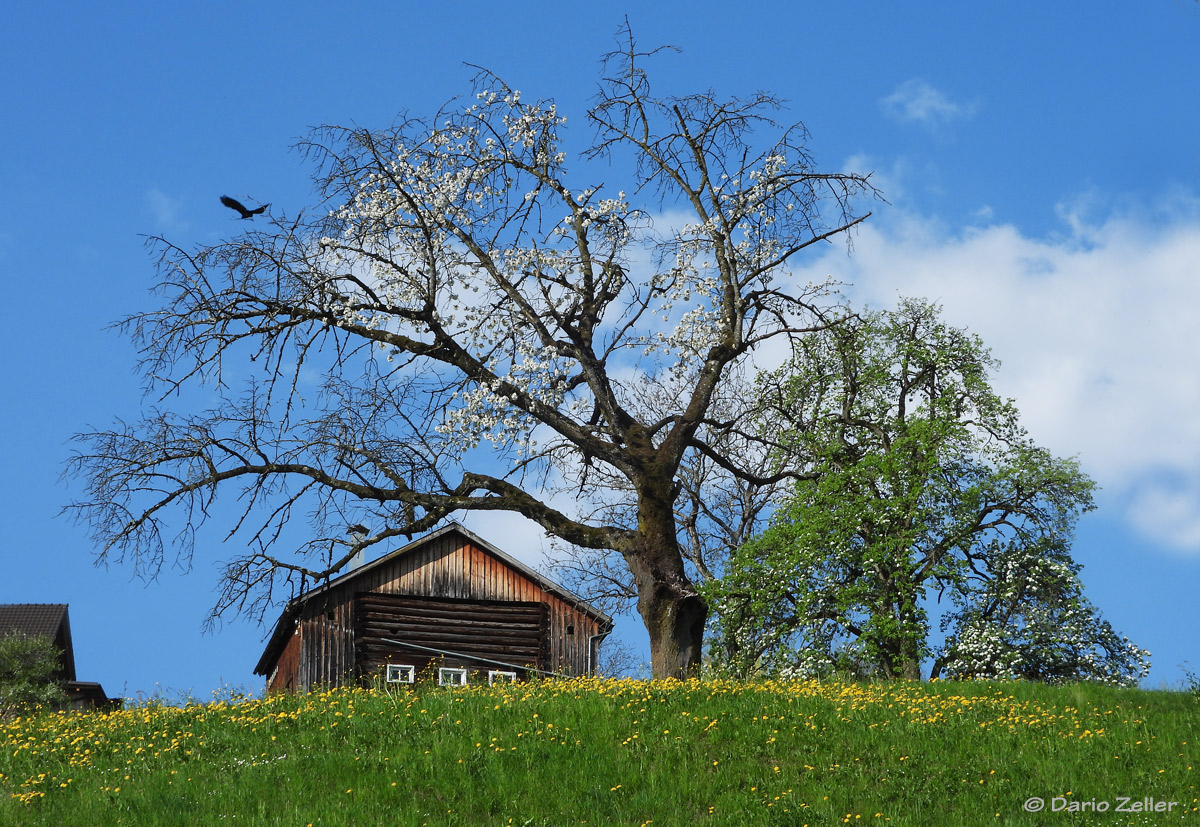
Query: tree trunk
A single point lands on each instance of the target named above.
(674, 614)
(672, 609)
(900, 657)
(901, 639)
(910, 668)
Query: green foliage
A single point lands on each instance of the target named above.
(27, 674)
(916, 477)
(609, 752)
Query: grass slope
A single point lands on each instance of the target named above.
(619, 752)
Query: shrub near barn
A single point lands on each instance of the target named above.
(28, 667)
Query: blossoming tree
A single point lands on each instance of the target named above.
(465, 325)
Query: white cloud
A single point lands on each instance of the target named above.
(918, 102)
(165, 209)
(510, 532)
(1168, 513)
(1098, 332)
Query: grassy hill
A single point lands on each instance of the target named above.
(620, 752)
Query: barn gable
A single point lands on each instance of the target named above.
(449, 598)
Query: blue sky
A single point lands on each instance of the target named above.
(1040, 163)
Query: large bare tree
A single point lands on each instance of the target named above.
(462, 325)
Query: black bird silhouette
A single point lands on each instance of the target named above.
(234, 204)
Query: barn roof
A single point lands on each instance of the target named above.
(284, 626)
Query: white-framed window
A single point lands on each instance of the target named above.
(498, 676)
(452, 676)
(400, 673)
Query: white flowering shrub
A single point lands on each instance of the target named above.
(1027, 618)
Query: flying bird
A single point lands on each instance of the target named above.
(234, 204)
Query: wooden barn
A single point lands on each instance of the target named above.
(450, 606)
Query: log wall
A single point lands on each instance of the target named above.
(475, 634)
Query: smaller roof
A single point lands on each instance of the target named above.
(38, 619)
(32, 618)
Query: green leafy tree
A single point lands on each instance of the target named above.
(915, 479)
(28, 674)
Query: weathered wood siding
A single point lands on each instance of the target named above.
(287, 670)
(479, 635)
(331, 647)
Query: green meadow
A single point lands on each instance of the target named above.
(619, 752)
